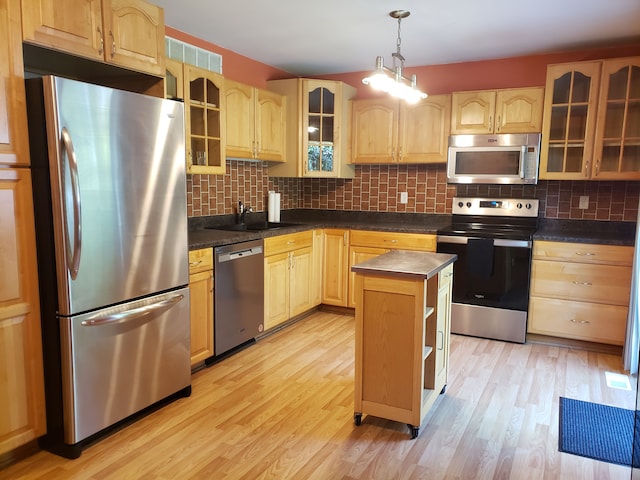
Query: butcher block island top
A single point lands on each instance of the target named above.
(403, 319)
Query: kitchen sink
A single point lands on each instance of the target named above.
(253, 226)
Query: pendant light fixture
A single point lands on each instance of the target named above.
(391, 80)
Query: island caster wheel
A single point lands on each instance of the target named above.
(357, 419)
(443, 389)
(414, 431)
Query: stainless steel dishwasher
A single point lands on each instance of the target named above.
(238, 294)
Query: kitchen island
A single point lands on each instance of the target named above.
(403, 317)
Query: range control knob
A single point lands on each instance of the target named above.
(519, 205)
(529, 206)
(460, 204)
(468, 204)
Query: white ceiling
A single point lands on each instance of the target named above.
(334, 36)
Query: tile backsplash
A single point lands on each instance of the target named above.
(378, 188)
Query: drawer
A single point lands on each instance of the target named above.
(200, 260)
(591, 322)
(399, 241)
(288, 242)
(445, 276)
(583, 253)
(607, 284)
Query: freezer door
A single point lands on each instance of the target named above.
(118, 187)
(117, 361)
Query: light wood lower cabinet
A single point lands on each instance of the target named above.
(580, 291)
(201, 294)
(335, 269)
(365, 244)
(288, 266)
(402, 345)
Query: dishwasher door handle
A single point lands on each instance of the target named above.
(230, 256)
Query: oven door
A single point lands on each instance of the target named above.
(490, 286)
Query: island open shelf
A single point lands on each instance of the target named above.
(403, 316)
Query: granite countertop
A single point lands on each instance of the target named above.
(201, 235)
(587, 231)
(202, 232)
(406, 263)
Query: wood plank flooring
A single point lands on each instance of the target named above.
(283, 409)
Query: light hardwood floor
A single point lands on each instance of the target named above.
(283, 409)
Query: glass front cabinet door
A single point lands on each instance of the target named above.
(569, 121)
(617, 143)
(204, 117)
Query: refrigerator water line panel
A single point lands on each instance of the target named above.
(111, 227)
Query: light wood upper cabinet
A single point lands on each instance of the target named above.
(569, 121)
(174, 79)
(317, 123)
(391, 131)
(205, 102)
(517, 110)
(255, 122)
(617, 140)
(22, 403)
(127, 33)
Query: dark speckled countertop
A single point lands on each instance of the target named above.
(587, 231)
(581, 231)
(200, 236)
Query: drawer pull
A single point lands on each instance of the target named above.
(586, 254)
(193, 264)
(588, 284)
(448, 274)
(392, 241)
(581, 322)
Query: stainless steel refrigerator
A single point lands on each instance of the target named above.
(111, 228)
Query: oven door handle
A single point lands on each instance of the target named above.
(498, 242)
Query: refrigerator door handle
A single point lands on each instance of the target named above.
(132, 314)
(73, 264)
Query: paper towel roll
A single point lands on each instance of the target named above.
(272, 206)
(277, 208)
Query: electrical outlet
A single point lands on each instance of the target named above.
(404, 197)
(584, 202)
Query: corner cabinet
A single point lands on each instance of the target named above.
(591, 124)
(515, 110)
(22, 416)
(402, 338)
(204, 100)
(127, 33)
(318, 123)
(255, 123)
(392, 131)
(201, 295)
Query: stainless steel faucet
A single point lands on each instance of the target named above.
(242, 211)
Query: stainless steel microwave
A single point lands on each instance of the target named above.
(500, 159)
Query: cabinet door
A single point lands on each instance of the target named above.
(374, 131)
(73, 26)
(301, 267)
(472, 112)
(270, 124)
(424, 130)
(174, 80)
(201, 294)
(443, 325)
(334, 270)
(240, 118)
(22, 387)
(316, 271)
(519, 110)
(617, 144)
(13, 116)
(358, 255)
(568, 125)
(204, 114)
(276, 289)
(134, 35)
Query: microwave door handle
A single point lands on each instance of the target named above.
(523, 160)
